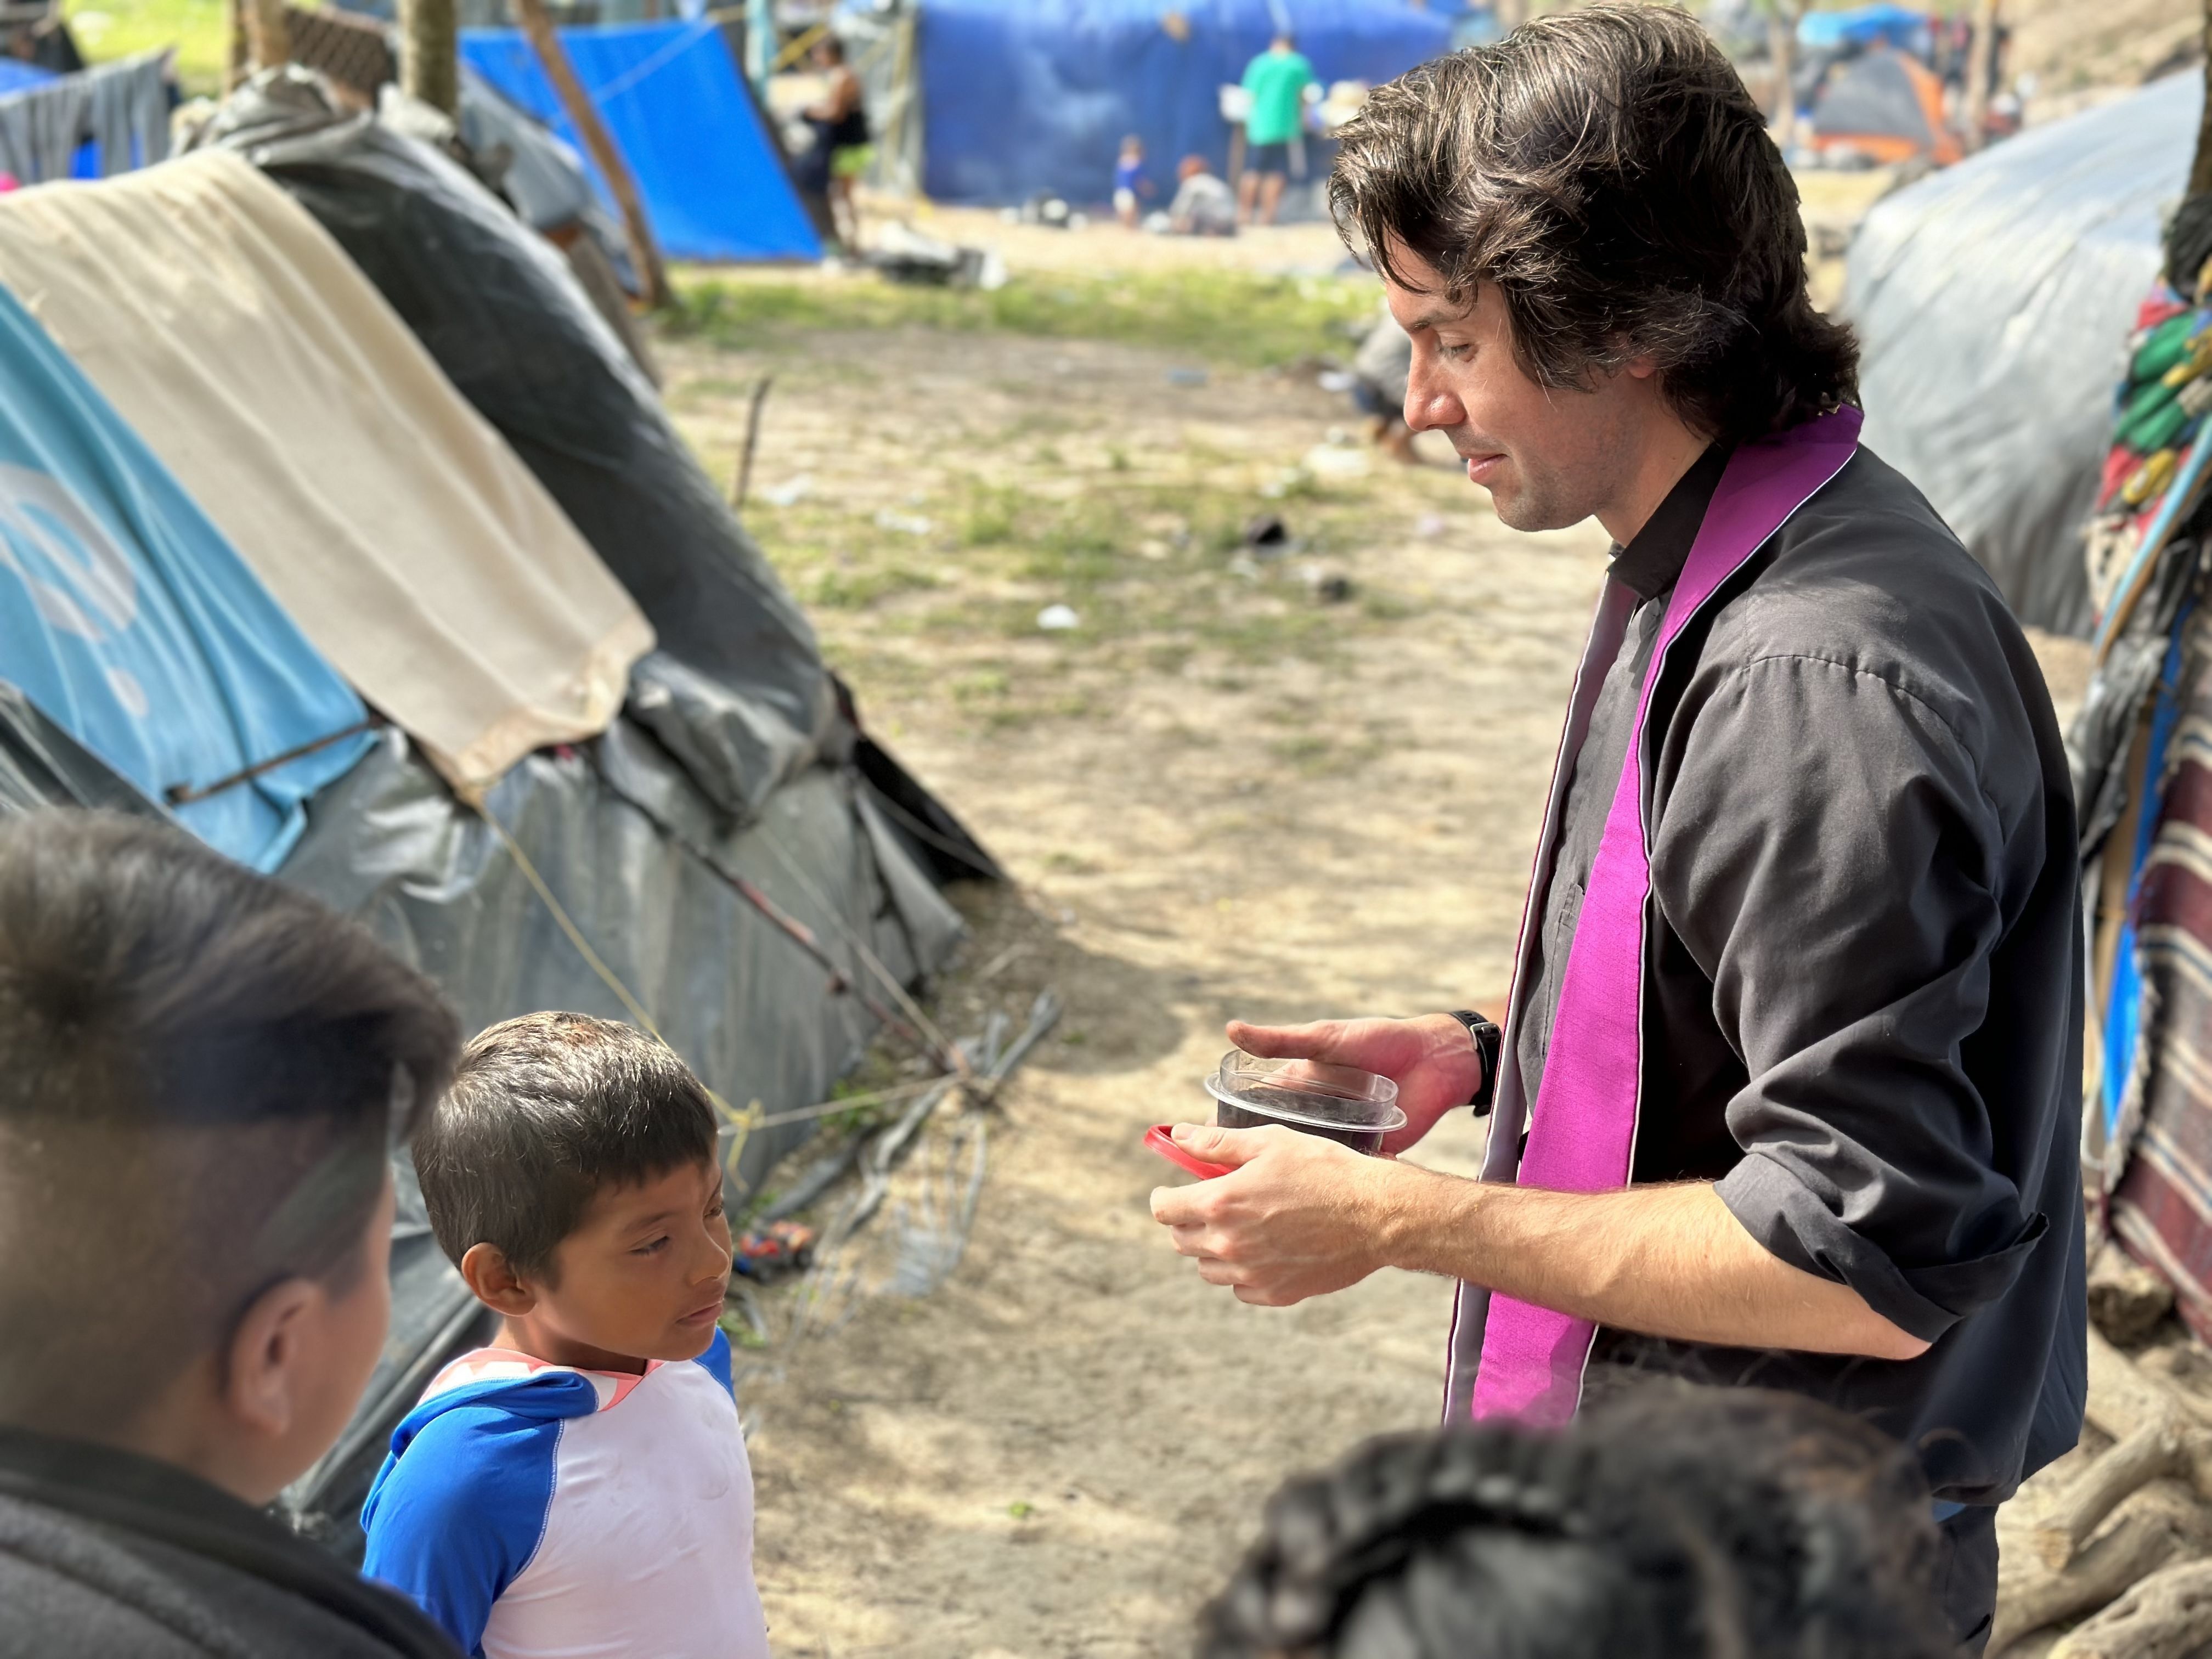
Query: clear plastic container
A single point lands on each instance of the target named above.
(1342, 1104)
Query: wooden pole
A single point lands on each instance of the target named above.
(1981, 71)
(268, 41)
(644, 253)
(1782, 48)
(429, 54)
(241, 46)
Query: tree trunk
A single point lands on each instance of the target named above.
(241, 46)
(1981, 71)
(429, 49)
(268, 41)
(2167, 1616)
(2156, 1527)
(2200, 171)
(1781, 47)
(2151, 1453)
(644, 253)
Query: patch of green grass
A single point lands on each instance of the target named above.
(988, 517)
(981, 685)
(1234, 317)
(846, 590)
(198, 29)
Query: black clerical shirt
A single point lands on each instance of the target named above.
(1862, 1004)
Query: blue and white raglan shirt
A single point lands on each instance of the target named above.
(536, 1510)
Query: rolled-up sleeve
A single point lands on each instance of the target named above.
(1825, 850)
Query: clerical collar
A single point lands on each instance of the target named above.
(1650, 563)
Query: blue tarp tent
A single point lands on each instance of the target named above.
(714, 185)
(1020, 97)
(1878, 25)
(130, 623)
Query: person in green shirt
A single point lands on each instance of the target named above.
(1277, 79)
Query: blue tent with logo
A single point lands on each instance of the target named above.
(130, 623)
(1024, 96)
(713, 183)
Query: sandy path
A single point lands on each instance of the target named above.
(1063, 1450)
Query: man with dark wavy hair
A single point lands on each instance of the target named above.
(1790, 1084)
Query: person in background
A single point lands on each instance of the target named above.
(1677, 1523)
(1380, 369)
(1129, 181)
(1204, 204)
(203, 1076)
(581, 1487)
(1276, 79)
(842, 143)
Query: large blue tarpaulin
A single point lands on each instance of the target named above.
(713, 184)
(132, 623)
(1024, 96)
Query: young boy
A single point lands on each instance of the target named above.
(582, 1488)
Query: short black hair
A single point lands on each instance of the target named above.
(544, 1111)
(203, 1072)
(1676, 1520)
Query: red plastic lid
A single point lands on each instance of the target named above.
(1161, 1139)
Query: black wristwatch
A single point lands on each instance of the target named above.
(1488, 1041)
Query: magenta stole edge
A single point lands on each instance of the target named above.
(1583, 1134)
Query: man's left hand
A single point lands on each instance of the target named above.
(1296, 1217)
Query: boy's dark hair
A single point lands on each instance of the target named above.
(544, 1111)
(203, 1073)
(1678, 1521)
(1605, 170)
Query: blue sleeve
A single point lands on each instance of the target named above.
(453, 1522)
(716, 1359)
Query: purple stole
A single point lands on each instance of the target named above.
(1511, 1359)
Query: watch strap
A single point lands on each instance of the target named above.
(1489, 1041)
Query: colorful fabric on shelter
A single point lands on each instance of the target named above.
(384, 514)
(130, 622)
(713, 180)
(2162, 1207)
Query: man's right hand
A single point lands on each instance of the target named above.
(1432, 1059)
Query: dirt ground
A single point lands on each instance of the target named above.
(1223, 791)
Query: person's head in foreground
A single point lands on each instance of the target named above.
(570, 1174)
(1190, 167)
(581, 1487)
(203, 1074)
(1678, 1523)
(1596, 249)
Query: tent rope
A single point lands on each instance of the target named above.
(743, 1122)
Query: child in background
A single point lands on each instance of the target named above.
(582, 1488)
(1129, 181)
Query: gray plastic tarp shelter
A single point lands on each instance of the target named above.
(1993, 302)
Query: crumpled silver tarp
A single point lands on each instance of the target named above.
(42, 765)
(1993, 302)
